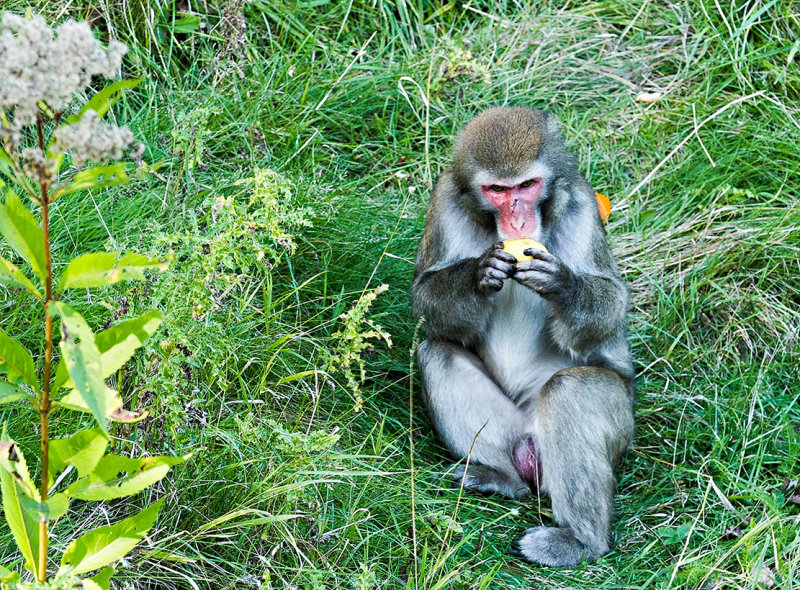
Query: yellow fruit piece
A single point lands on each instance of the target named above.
(518, 246)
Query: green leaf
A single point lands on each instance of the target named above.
(116, 345)
(187, 24)
(22, 232)
(16, 362)
(107, 544)
(120, 341)
(104, 99)
(53, 508)
(82, 450)
(6, 165)
(6, 575)
(111, 400)
(11, 393)
(116, 476)
(11, 275)
(83, 362)
(15, 483)
(97, 177)
(62, 376)
(12, 460)
(102, 578)
(7, 168)
(106, 268)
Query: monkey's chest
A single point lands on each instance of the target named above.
(517, 349)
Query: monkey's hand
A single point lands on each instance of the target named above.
(494, 266)
(545, 274)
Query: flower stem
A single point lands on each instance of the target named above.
(45, 402)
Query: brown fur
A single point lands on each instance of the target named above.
(503, 140)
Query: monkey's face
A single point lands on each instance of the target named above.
(515, 200)
(504, 164)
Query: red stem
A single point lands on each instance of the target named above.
(45, 403)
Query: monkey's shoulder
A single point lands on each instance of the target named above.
(451, 232)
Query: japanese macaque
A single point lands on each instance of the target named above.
(527, 359)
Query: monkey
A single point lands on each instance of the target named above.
(527, 363)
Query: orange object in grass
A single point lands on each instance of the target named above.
(604, 204)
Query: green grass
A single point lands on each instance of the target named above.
(290, 486)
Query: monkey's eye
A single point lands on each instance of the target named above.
(527, 183)
(497, 188)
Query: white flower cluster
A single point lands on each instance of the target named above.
(89, 139)
(38, 65)
(43, 65)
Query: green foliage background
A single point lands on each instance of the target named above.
(295, 144)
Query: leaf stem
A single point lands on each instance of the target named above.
(45, 402)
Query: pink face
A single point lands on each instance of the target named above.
(517, 206)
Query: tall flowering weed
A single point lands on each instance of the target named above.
(355, 337)
(42, 123)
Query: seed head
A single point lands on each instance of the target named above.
(40, 64)
(90, 139)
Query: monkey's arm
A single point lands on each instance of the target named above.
(590, 314)
(588, 307)
(455, 276)
(456, 300)
(449, 300)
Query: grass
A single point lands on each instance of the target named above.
(296, 483)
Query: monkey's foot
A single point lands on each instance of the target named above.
(489, 480)
(553, 546)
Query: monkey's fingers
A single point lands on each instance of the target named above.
(496, 273)
(502, 255)
(533, 277)
(542, 266)
(541, 282)
(500, 261)
(500, 265)
(490, 285)
(540, 255)
(496, 259)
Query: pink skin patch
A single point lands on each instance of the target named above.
(517, 206)
(526, 459)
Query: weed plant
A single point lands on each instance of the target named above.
(47, 143)
(684, 114)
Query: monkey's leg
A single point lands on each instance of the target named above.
(583, 425)
(466, 405)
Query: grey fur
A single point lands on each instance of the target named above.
(536, 349)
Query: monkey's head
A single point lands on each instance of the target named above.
(504, 163)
